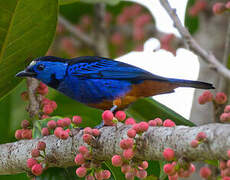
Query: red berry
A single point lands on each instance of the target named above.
(83, 149)
(143, 126)
(131, 133)
(174, 177)
(96, 132)
(117, 39)
(130, 121)
(125, 168)
(25, 96)
(87, 138)
(79, 159)
(168, 154)
(89, 177)
(81, 171)
(152, 123)
(201, 100)
(128, 154)
(26, 134)
(227, 5)
(227, 109)
(192, 168)
(106, 174)
(63, 135)
(45, 116)
(120, 115)
(142, 174)
(66, 122)
(45, 131)
(25, 124)
(218, 8)
(116, 160)
(169, 123)
(144, 165)
(88, 130)
(18, 134)
(225, 117)
(194, 143)
(77, 120)
(136, 127)
(35, 153)
(126, 143)
(222, 165)
(169, 169)
(47, 109)
(37, 169)
(42, 89)
(51, 124)
(201, 136)
(53, 104)
(98, 175)
(60, 123)
(41, 145)
(107, 117)
(58, 131)
(31, 162)
(130, 175)
(205, 172)
(221, 98)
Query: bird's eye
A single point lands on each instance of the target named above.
(40, 67)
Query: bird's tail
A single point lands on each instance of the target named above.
(194, 84)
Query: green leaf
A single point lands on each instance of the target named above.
(148, 108)
(116, 171)
(110, 2)
(162, 176)
(212, 162)
(27, 29)
(191, 23)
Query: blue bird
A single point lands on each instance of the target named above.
(101, 82)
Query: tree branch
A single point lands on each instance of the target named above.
(76, 32)
(193, 45)
(61, 153)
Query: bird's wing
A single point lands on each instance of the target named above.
(110, 69)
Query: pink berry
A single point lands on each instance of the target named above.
(96, 132)
(228, 152)
(218, 8)
(116, 160)
(130, 121)
(143, 126)
(106, 174)
(169, 123)
(25, 124)
(81, 171)
(126, 143)
(192, 168)
(207, 95)
(159, 121)
(130, 175)
(201, 100)
(205, 172)
(60, 123)
(128, 154)
(83, 149)
(45, 101)
(125, 168)
(174, 177)
(45, 116)
(66, 122)
(26, 134)
(79, 159)
(152, 123)
(136, 127)
(87, 138)
(227, 5)
(98, 175)
(51, 124)
(37, 169)
(225, 117)
(222, 165)
(201, 136)
(53, 104)
(107, 115)
(220, 98)
(88, 130)
(45, 131)
(42, 89)
(120, 115)
(63, 135)
(47, 109)
(131, 133)
(194, 143)
(168, 154)
(41, 145)
(89, 177)
(35, 153)
(142, 174)
(227, 109)
(58, 131)
(31, 162)
(144, 165)
(18, 134)
(77, 120)
(169, 169)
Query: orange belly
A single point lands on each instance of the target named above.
(145, 89)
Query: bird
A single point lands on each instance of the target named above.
(101, 82)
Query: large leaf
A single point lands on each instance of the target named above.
(147, 108)
(192, 23)
(26, 30)
(110, 2)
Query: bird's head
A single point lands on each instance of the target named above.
(46, 69)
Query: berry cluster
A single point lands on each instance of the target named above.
(176, 169)
(225, 168)
(35, 165)
(25, 132)
(61, 127)
(219, 7)
(200, 138)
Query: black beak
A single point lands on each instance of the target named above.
(25, 73)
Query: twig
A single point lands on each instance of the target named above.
(194, 46)
(76, 32)
(61, 153)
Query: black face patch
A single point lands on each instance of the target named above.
(54, 83)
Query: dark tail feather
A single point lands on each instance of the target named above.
(194, 84)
